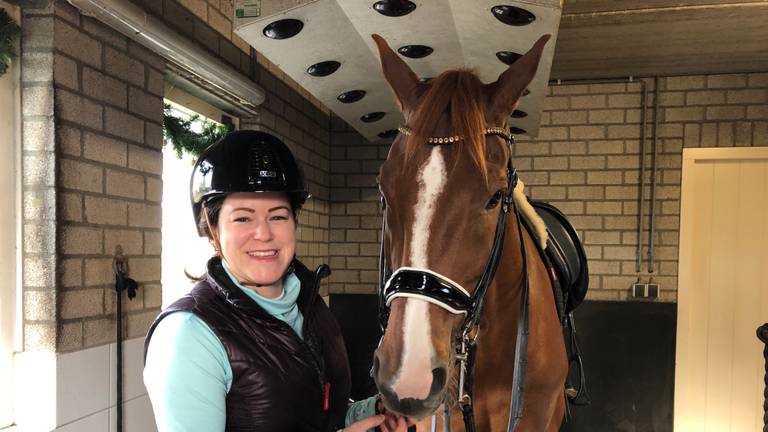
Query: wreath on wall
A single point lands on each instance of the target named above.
(9, 31)
(178, 131)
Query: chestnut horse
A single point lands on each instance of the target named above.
(444, 183)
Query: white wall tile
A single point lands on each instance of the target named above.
(137, 416)
(82, 384)
(133, 367)
(98, 422)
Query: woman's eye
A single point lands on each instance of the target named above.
(494, 201)
(279, 218)
(242, 219)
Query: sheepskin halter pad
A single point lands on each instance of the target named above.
(529, 213)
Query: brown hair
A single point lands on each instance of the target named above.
(459, 93)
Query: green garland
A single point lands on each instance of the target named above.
(9, 31)
(179, 132)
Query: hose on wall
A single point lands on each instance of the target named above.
(122, 283)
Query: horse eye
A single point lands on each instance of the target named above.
(494, 201)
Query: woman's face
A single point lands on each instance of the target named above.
(257, 233)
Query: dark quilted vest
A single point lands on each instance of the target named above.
(278, 381)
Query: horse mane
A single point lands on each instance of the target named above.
(459, 93)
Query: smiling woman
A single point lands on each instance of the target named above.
(252, 346)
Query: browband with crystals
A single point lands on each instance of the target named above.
(405, 130)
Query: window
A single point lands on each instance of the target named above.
(182, 249)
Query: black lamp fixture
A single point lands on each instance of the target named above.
(508, 57)
(391, 133)
(415, 51)
(372, 117)
(517, 131)
(351, 96)
(512, 15)
(394, 8)
(519, 114)
(323, 68)
(283, 29)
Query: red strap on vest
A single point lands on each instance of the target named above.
(327, 398)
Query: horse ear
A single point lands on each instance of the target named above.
(507, 90)
(400, 77)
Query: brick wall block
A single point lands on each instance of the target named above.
(683, 114)
(569, 148)
(37, 66)
(104, 88)
(99, 331)
(587, 162)
(123, 125)
(146, 160)
(153, 243)
(77, 44)
(98, 271)
(604, 177)
(705, 97)
(39, 237)
(38, 169)
(154, 189)
(81, 303)
(77, 240)
(568, 117)
(362, 263)
(124, 184)
(119, 64)
(551, 163)
(105, 211)
(71, 272)
(727, 81)
(103, 149)
(548, 193)
(585, 192)
(80, 175)
(39, 305)
(129, 240)
(144, 215)
(104, 34)
(40, 271)
(153, 135)
(145, 104)
(592, 101)
(68, 138)
(37, 100)
(144, 269)
(606, 116)
(552, 133)
(78, 110)
(685, 82)
(587, 132)
(725, 113)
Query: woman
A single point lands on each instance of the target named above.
(252, 347)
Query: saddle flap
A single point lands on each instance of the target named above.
(566, 252)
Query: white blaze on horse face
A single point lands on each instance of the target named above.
(414, 379)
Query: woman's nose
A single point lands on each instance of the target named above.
(262, 231)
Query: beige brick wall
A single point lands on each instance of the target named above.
(92, 134)
(109, 127)
(586, 161)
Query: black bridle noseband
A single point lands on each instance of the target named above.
(449, 295)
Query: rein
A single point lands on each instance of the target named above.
(441, 291)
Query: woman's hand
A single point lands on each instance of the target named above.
(386, 423)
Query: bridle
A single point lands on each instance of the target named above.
(449, 295)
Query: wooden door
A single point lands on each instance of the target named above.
(722, 290)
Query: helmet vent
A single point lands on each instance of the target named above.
(263, 165)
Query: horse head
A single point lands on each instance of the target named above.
(443, 184)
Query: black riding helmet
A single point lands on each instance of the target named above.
(246, 161)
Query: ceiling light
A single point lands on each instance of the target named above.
(372, 117)
(394, 8)
(512, 15)
(508, 57)
(415, 51)
(391, 133)
(323, 68)
(351, 96)
(283, 29)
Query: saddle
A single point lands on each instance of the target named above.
(565, 253)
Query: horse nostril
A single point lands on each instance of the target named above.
(438, 380)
